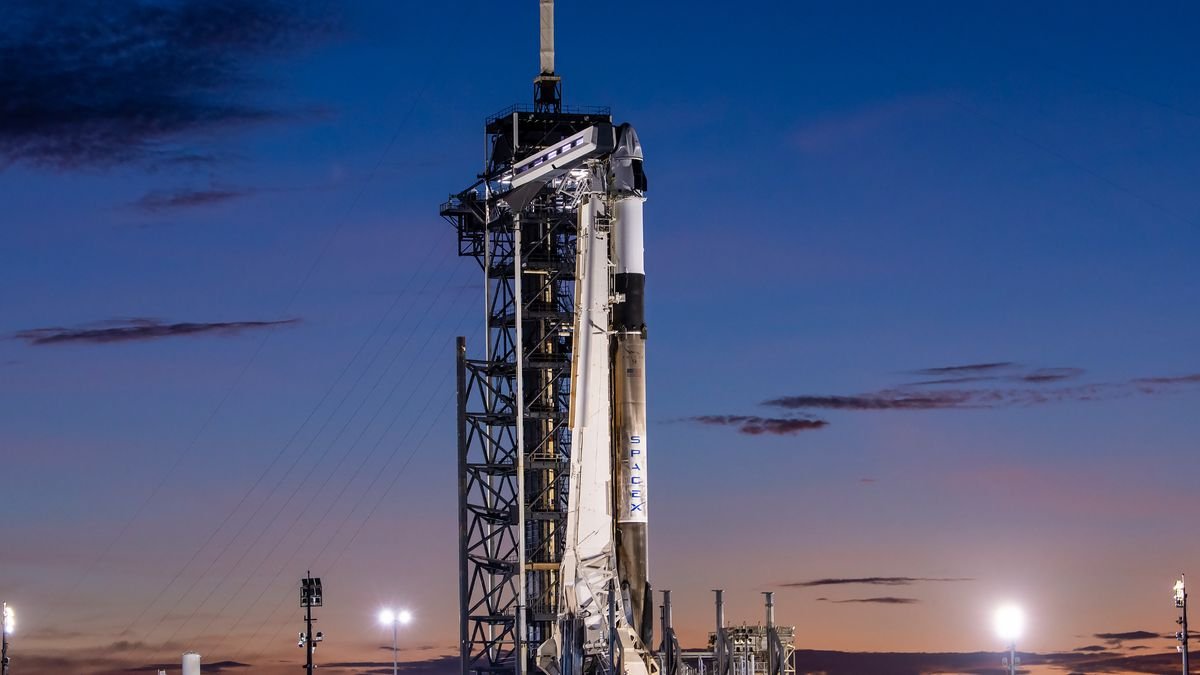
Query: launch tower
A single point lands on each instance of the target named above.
(513, 402)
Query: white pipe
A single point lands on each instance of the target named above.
(191, 663)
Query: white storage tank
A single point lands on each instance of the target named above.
(191, 663)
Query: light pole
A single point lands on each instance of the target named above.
(10, 625)
(1010, 621)
(388, 616)
(1182, 635)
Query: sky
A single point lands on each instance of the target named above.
(921, 300)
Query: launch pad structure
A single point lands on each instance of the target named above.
(551, 416)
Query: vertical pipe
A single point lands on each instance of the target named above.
(191, 663)
(518, 308)
(721, 652)
(460, 364)
(395, 654)
(1012, 658)
(770, 608)
(489, 497)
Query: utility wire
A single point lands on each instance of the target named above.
(302, 513)
(314, 464)
(346, 547)
(279, 455)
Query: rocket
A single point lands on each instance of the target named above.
(627, 188)
(606, 602)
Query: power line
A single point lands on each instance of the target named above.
(301, 514)
(328, 448)
(278, 455)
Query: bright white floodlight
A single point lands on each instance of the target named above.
(10, 620)
(387, 617)
(1010, 622)
(404, 616)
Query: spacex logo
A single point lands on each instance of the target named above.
(636, 487)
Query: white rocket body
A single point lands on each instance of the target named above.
(627, 188)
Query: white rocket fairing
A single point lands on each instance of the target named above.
(605, 604)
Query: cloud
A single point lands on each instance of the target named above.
(884, 600)
(1193, 378)
(443, 665)
(970, 368)
(1050, 375)
(869, 581)
(982, 398)
(94, 83)
(952, 380)
(977, 663)
(217, 667)
(138, 329)
(1091, 648)
(754, 425)
(165, 200)
(883, 400)
(1128, 635)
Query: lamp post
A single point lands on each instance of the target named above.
(1182, 635)
(10, 625)
(388, 616)
(1010, 621)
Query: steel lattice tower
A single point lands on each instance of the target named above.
(513, 435)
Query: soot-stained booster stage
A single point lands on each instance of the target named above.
(553, 451)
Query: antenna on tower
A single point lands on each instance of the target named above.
(547, 87)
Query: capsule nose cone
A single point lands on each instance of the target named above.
(628, 145)
(628, 175)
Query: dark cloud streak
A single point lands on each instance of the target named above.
(1042, 375)
(1128, 635)
(884, 400)
(883, 600)
(92, 83)
(166, 200)
(753, 425)
(971, 368)
(869, 581)
(139, 329)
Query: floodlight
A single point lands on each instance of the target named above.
(10, 620)
(404, 616)
(1010, 621)
(387, 616)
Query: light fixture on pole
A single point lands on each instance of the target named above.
(1010, 622)
(387, 616)
(312, 595)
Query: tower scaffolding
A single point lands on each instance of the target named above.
(514, 439)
